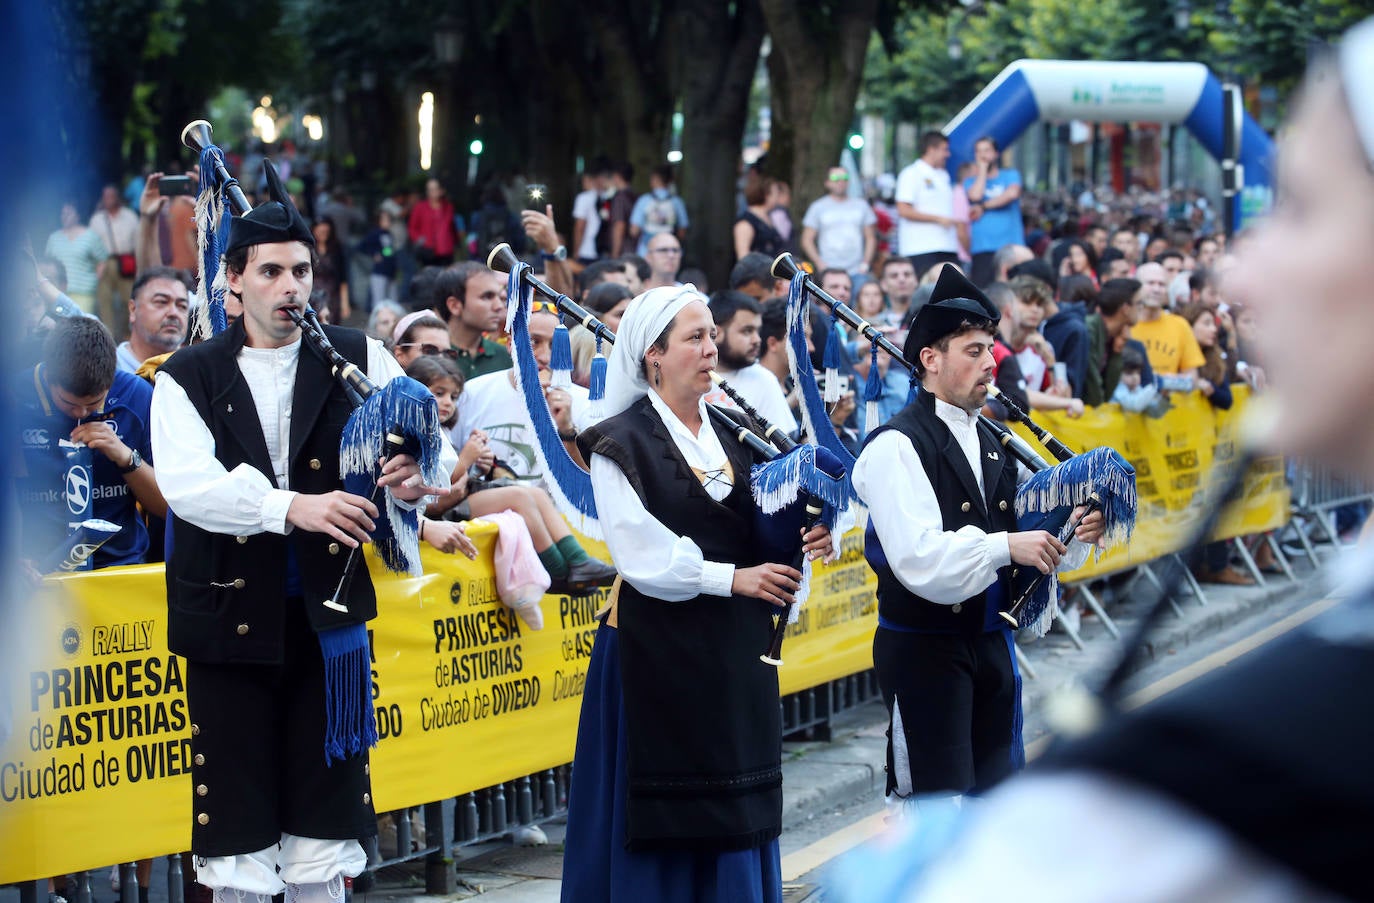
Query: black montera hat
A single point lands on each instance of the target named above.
(954, 301)
(275, 221)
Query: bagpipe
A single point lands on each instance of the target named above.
(1099, 479)
(398, 418)
(794, 487)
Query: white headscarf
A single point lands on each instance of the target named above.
(644, 321)
(1357, 77)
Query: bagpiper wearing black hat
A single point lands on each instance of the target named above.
(943, 540)
(277, 685)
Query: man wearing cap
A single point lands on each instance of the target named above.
(943, 540)
(250, 425)
(838, 231)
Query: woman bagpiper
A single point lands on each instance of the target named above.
(677, 782)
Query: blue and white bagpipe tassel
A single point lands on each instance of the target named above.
(560, 357)
(873, 392)
(212, 233)
(406, 407)
(596, 386)
(568, 484)
(830, 359)
(781, 488)
(1046, 501)
(815, 417)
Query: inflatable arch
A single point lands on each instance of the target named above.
(1094, 91)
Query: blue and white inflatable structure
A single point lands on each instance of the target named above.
(1097, 91)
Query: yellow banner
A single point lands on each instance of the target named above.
(1174, 458)
(96, 732)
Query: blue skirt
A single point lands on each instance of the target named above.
(596, 866)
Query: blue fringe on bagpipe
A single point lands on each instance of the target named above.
(568, 483)
(806, 469)
(780, 488)
(1047, 499)
(815, 418)
(350, 720)
(406, 404)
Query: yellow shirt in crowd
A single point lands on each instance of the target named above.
(1170, 344)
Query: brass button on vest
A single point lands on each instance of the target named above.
(239, 583)
(1002, 505)
(333, 548)
(315, 464)
(241, 630)
(367, 798)
(195, 730)
(199, 759)
(966, 507)
(957, 607)
(201, 790)
(241, 540)
(203, 819)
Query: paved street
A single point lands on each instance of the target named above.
(833, 789)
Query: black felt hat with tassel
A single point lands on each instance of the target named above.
(954, 301)
(276, 220)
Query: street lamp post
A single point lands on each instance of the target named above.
(448, 48)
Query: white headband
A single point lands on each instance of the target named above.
(1357, 77)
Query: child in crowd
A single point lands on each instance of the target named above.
(444, 381)
(377, 245)
(475, 493)
(1130, 394)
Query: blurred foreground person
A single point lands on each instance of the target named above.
(1253, 784)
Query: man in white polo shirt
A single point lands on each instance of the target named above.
(925, 207)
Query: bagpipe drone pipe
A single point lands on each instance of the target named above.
(793, 487)
(1097, 479)
(401, 417)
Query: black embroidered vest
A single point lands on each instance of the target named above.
(703, 721)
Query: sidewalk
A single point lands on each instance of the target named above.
(821, 776)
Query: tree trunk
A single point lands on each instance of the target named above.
(564, 122)
(641, 77)
(816, 65)
(715, 101)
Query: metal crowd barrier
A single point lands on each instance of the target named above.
(1317, 493)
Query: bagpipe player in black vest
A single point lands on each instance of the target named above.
(677, 782)
(942, 537)
(277, 682)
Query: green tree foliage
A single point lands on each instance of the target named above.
(914, 78)
(1270, 40)
(1069, 30)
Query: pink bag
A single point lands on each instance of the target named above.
(521, 580)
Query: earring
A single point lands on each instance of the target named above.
(658, 374)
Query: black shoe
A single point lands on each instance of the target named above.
(583, 577)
